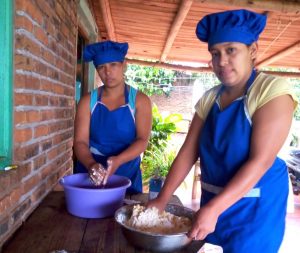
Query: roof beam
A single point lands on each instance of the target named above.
(168, 66)
(177, 23)
(108, 22)
(285, 52)
(288, 6)
(201, 69)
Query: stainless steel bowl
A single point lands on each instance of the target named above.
(151, 241)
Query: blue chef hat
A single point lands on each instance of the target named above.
(231, 26)
(105, 52)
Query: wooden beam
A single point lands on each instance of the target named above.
(169, 66)
(201, 69)
(177, 23)
(283, 6)
(285, 52)
(108, 22)
(283, 74)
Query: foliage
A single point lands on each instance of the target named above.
(296, 83)
(158, 156)
(150, 80)
(157, 163)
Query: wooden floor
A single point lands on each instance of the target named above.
(291, 241)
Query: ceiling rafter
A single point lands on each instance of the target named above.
(278, 36)
(285, 52)
(116, 21)
(107, 18)
(288, 6)
(177, 23)
(200, 69)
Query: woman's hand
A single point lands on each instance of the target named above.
(97, 173)
(204, 223)
(160, 205)
(113, 164)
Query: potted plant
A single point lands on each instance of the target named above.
(159, 156)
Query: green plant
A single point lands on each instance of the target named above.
(157, 163)
(150, 80)
(159, 156)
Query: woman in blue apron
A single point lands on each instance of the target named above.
(237, 131)
(113, 122)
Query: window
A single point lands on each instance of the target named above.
(6, 29)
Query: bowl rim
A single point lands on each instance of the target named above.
(150, 233)
(125, 186)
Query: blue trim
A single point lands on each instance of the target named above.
(93, 99)
(132, 98)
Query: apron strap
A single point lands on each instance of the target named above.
(253, 193)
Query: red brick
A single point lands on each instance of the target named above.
(47, 56)
(66, 31)
(58, 89)
(69, 91)
(26, 152)
(46, 171)
(39, 161)
(29, 7)
(22, 135)
(54, 101)
(4, 204)
(47, 115)
(38, 193)
(24, 43)
(24, 62)
(52, 73)
(27, 81)
(60, 11)
(20, 210)
(41, 100)
(47, 144)
(41, 35)
(30, 183)
(23, 99)
(40, 68)
(23, 23)
(19, 117)
(59, 114)
(41, 130)
(24, 170)
(33, 116)
(15, 196)
(46, 85)
(4, 183)
(52, 154)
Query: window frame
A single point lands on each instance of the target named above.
(6, 51)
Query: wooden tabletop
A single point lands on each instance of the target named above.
(51, 228)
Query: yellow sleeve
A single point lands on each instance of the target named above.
(205, 103)
(267, 87)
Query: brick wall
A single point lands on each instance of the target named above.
(44, 75)
(179, 101)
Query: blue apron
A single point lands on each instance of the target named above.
(256, 222)
(111, 132)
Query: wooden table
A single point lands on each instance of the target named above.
(51, 228)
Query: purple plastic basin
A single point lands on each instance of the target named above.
(83, 199)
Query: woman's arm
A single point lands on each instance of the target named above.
(82, 132)
(271, 124)
(182, 164)
(143, 121)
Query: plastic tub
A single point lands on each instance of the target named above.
(83, 199)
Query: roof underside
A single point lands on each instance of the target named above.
(164, 31)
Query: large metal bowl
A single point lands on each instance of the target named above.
(151, 241)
